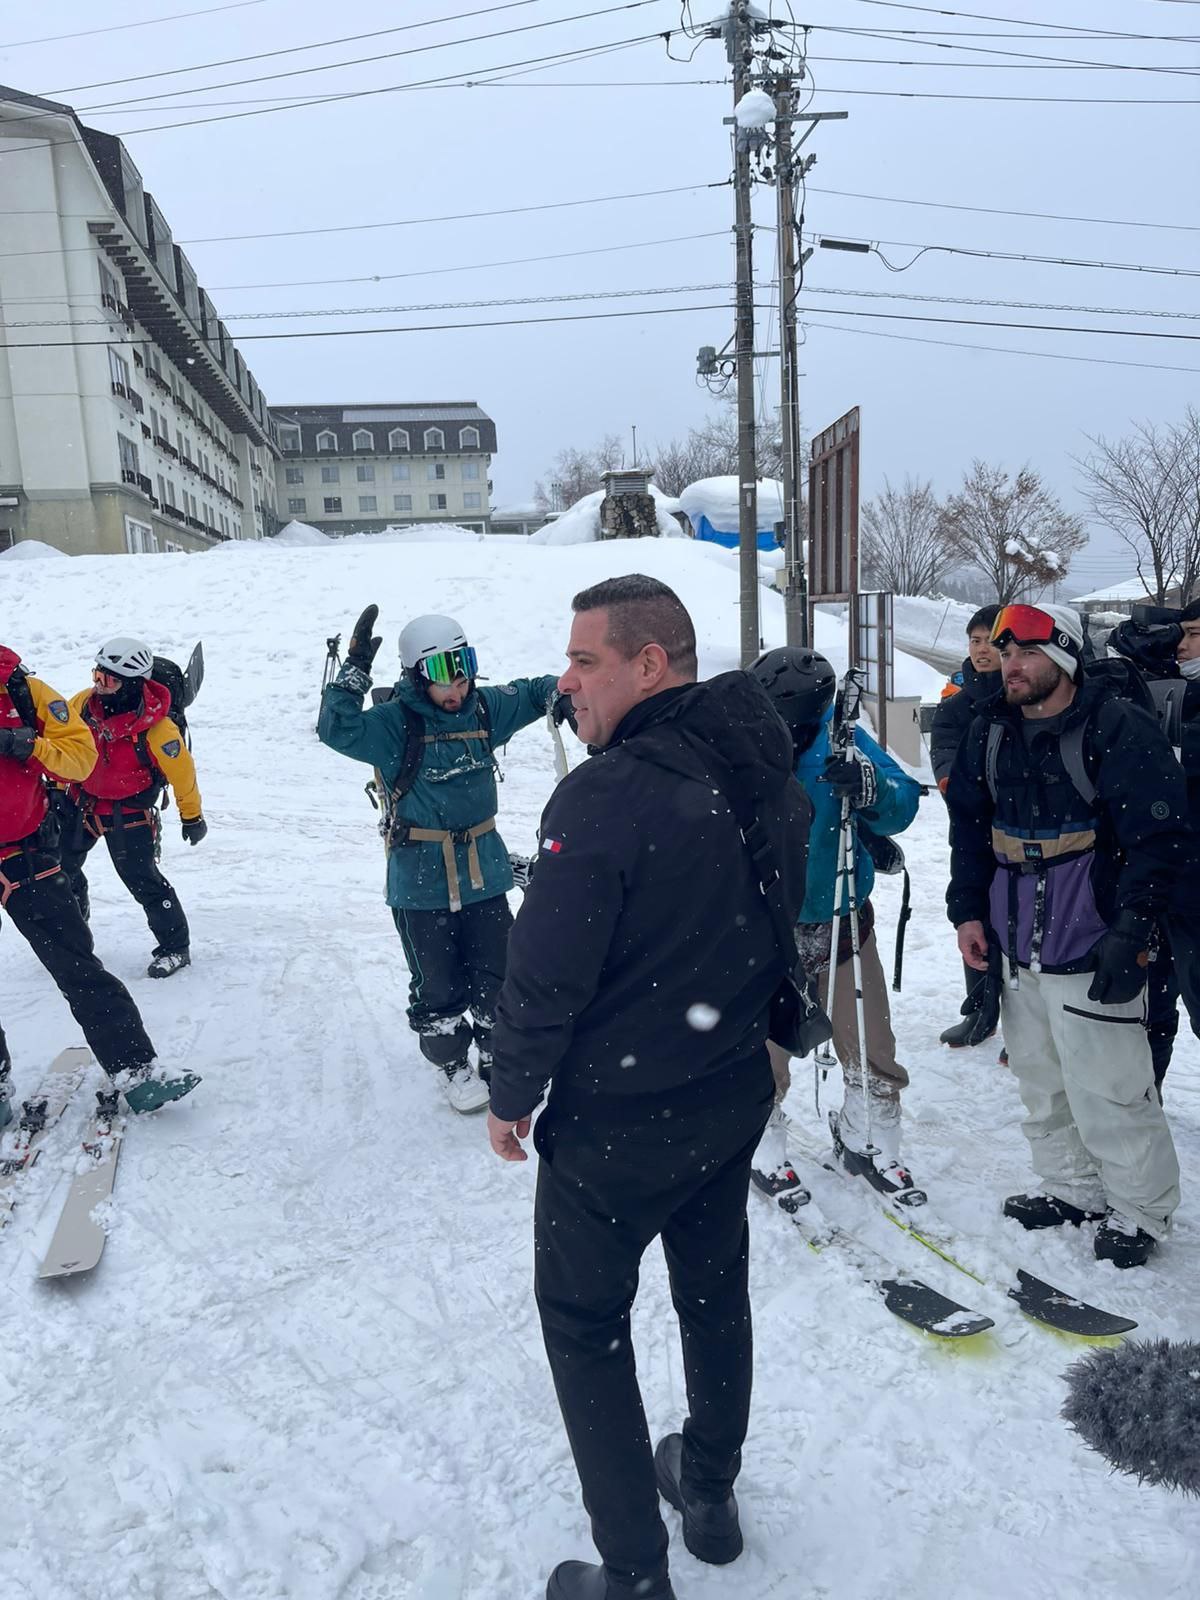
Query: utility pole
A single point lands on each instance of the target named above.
(795, 601)
(738, 33)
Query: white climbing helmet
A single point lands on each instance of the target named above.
(435, 648)
(126, 658)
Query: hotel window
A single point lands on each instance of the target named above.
(398, 439)
(402, 502)
(330, 475)
(364, 439)
(468, 439)
(437, 502)
(435, 439)
(294, 474)
(297, 506)
(333, 503)
(366, 474)
(435, 472)
(472, 501)
(327, 441)
(368, 502)
(470, 471)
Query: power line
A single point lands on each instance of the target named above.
(1013, 255)
(997, 211)
(1007, 99)
(979, 16)
(1021, 57)
(1021, 327)
(1010, 305)
(122, 27)
(1046, 64)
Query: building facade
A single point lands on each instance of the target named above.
(362, 468)
(128, 419)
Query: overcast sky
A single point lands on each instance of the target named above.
(633, 121)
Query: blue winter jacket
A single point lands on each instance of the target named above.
(455, 785)
(895, 807)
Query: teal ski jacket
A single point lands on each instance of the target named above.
(455, 785)
(895, 807)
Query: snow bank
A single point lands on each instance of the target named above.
(32, 550)
(717, 499)
(418, 533)
(580, 523)
(295, 535)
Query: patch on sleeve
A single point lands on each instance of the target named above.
(59, 710)
(171, 748)
(507, 688)
(1160, 811)
(552, 847)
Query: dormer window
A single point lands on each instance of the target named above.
(398, 439)
(435, 439)
(468, 438)
(364, 439)
(327, 440)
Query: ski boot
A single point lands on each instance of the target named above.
(171, 961)
(146, 1088)
(1122, 1242)
(462, 1085)
(6, 1110)
(1046, 1211)
(881, 1167)
(771, 1171)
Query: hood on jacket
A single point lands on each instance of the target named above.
(725, 722)
(980, 686)
(122, 723)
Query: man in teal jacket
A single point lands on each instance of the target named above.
(884, 801)
(448, 872)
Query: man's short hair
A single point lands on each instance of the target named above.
(643, 611)
(985, 617)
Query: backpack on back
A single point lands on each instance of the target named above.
(182, 684)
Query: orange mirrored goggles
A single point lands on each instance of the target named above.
(1024, 625)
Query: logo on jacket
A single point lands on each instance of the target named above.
(171, 748)
(552, 846)
(1033, 850)
(59, 710)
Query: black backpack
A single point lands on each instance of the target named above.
(415, 740)
(182, 684)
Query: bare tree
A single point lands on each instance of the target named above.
(578, 472)
(1013, 530)
(680, 462)
(903, 543)
(1140, 487)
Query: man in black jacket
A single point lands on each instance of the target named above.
(1067, 826)
(640, 973)
(967, 691)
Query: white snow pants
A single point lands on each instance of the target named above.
(1096, 1131)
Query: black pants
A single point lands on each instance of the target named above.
(603, 1193)
(46, 912)
(133, 846)
(1176, 971)
(456, 963)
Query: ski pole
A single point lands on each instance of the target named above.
(856, 967)
(824, 1056)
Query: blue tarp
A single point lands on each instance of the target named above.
(705, 530)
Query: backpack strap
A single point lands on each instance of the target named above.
(991, 760)
(1168, 696)
(1071, 749)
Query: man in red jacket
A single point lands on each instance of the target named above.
(141, 751)
(41, 738)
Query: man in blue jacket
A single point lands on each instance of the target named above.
(884, 801)
(448, 872)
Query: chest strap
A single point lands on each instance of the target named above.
(408, 834)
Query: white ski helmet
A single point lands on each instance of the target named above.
(427, 637)
(126, 658)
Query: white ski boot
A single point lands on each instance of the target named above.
(878, 1161)
(462, 1086)
(772, 1172)
(169, 962)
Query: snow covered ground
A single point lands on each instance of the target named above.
(309, 1365)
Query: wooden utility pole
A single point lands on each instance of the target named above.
(738, 48)
(795, 602)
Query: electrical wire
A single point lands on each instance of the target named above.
(122, 27)
(1013, 255)
(1011, 99)
(997, 211)
(1021, 327)
(979, 16)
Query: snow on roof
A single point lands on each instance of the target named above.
(717, 499)
(1130, 589)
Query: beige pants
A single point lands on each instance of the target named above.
(888, 1077)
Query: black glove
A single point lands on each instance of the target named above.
(195, 830)
(1122, 958)
(983, 1002)
(17, 743)
(851, 776)
(562, 709)
(363, 646)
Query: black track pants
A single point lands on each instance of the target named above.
(134, 852)
(456, 964)
(45, 911)
(603, 1193)
(1175, 972)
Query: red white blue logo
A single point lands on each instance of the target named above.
(552, 846)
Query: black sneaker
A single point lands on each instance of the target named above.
(711, 1532)
(1122, 1242)
(1046, 1211)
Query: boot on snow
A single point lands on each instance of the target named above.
(147, 1088)
(585, 1580)
(880, 1162)
(711, 1530)
(462, 1085)
(171, 961)
(1046, 1211)
(1121, 1241)
(6, 1110)
(771, 1171)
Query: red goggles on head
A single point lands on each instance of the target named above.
(1026, 625)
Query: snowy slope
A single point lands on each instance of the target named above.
(309, 1366)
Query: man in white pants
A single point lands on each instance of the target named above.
(1068, 824)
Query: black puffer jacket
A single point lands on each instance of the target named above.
(972, 691)
(643, 961)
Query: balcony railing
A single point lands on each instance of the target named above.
(194, 522)
(158, 380)
(144, 483)
(128, 475)
(175, 513)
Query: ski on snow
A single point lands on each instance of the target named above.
(1039, 1300)
(22, 1141)
(908, 1298)
(79, 1239)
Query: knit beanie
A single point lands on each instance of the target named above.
(1066, 648)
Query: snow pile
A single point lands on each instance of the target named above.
(717, 500)
(418, 533)
(32, 550)
(295, 535)
(754, 110)
(281, 1381)
(580, 523)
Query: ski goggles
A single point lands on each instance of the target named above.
(1028, 625)
(447, 665)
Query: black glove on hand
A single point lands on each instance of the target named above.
(195, 830)
(17, 743)
(1122, 958)
(562, 709)
(363, 646)
(983, 1002)
(851, 776)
